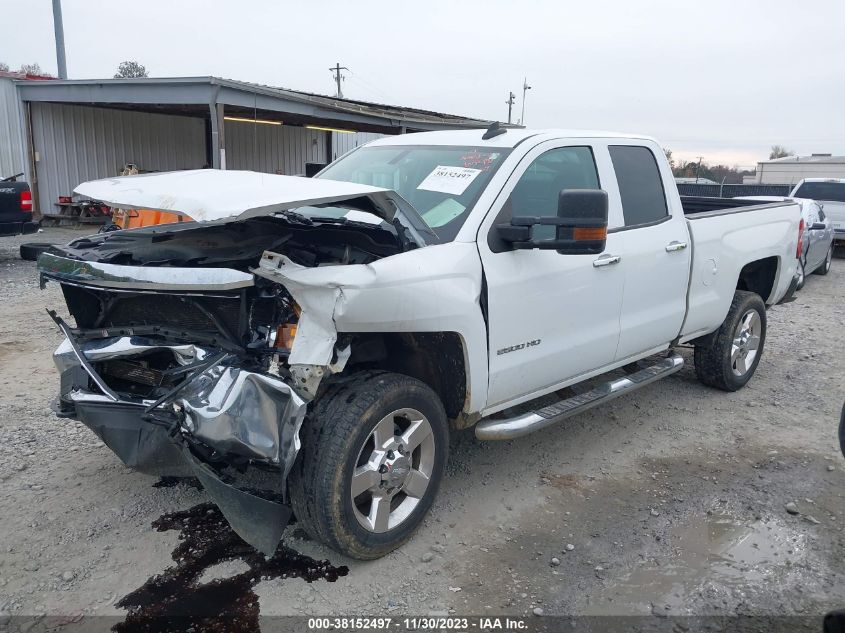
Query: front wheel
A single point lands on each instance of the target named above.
(373, 453)
(728, 358)
(825, 267)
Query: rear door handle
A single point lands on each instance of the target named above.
(606, 260)
(671, 247)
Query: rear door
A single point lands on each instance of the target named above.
(551, 317)
(654, 246)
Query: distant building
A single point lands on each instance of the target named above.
(791, 169)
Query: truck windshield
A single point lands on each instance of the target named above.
(830, 191)
(441, 182)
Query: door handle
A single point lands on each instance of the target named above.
(671, 247)
(606, 260)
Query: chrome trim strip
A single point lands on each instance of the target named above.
(510, 428)
(141, 277)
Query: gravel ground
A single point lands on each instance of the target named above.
(672, 501)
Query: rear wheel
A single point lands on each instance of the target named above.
(728, 358)
(825, 267)
(373, 454)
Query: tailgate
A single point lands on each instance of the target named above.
(10, 202)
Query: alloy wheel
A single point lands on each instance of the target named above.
(746, 343)
(393, 470)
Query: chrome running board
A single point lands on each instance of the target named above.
(510, 428)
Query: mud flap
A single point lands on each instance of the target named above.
(260, 522)
(141, 446)
(789, 297)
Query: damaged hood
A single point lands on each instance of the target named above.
(211, 195)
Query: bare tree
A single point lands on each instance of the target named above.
(671, 160)
(779, 151)
(130, 69)
(31, 69)
(4, 67)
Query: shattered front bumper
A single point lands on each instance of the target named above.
(222, 418)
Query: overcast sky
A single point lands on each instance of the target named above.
(724, 82)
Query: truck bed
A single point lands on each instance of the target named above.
(725, 232)
(695, 205)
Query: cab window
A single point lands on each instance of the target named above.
(536, 193)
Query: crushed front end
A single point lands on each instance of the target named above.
(178, 358)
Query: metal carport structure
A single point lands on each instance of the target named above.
(78, 130)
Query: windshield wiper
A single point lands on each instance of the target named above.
(296, 218)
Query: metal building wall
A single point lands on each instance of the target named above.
(342, 142)
(790, 173)
(79, 143)
(12, 160)
(273, 149)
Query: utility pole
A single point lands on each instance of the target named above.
(525, 88)
(510, 105)
(59, 30)
(335, 70)
(698, 168)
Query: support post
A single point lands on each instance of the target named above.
(218, 135)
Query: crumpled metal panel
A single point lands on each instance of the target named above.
(121, 347)
(231, 409)
(240, 412)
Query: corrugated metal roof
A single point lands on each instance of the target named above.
(398, 115)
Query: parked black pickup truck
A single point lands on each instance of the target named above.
(16, 208)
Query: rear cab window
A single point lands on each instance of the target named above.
(640, 185)
(824, 191)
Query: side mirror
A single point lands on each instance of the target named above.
(583, 217)
(817, 226)
(580, 225)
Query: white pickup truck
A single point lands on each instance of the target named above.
(306, 345)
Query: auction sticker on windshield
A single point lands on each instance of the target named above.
(447, 179)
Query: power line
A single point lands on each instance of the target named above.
(338, 77)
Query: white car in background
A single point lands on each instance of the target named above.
(830, 192)
(818, 235)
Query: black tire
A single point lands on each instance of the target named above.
(31, 250)
(713, 363)
(333, 436)
(842, 431)
(825, 267)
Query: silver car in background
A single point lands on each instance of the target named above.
(830, 193)
(817, 238)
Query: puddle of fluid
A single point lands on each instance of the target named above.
(719, 550)
(176, 600)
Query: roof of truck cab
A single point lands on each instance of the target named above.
(511, 137)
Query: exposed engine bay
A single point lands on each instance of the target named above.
(179, 358)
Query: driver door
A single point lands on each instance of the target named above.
(551, 317)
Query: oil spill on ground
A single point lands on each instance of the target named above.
(175, 601)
